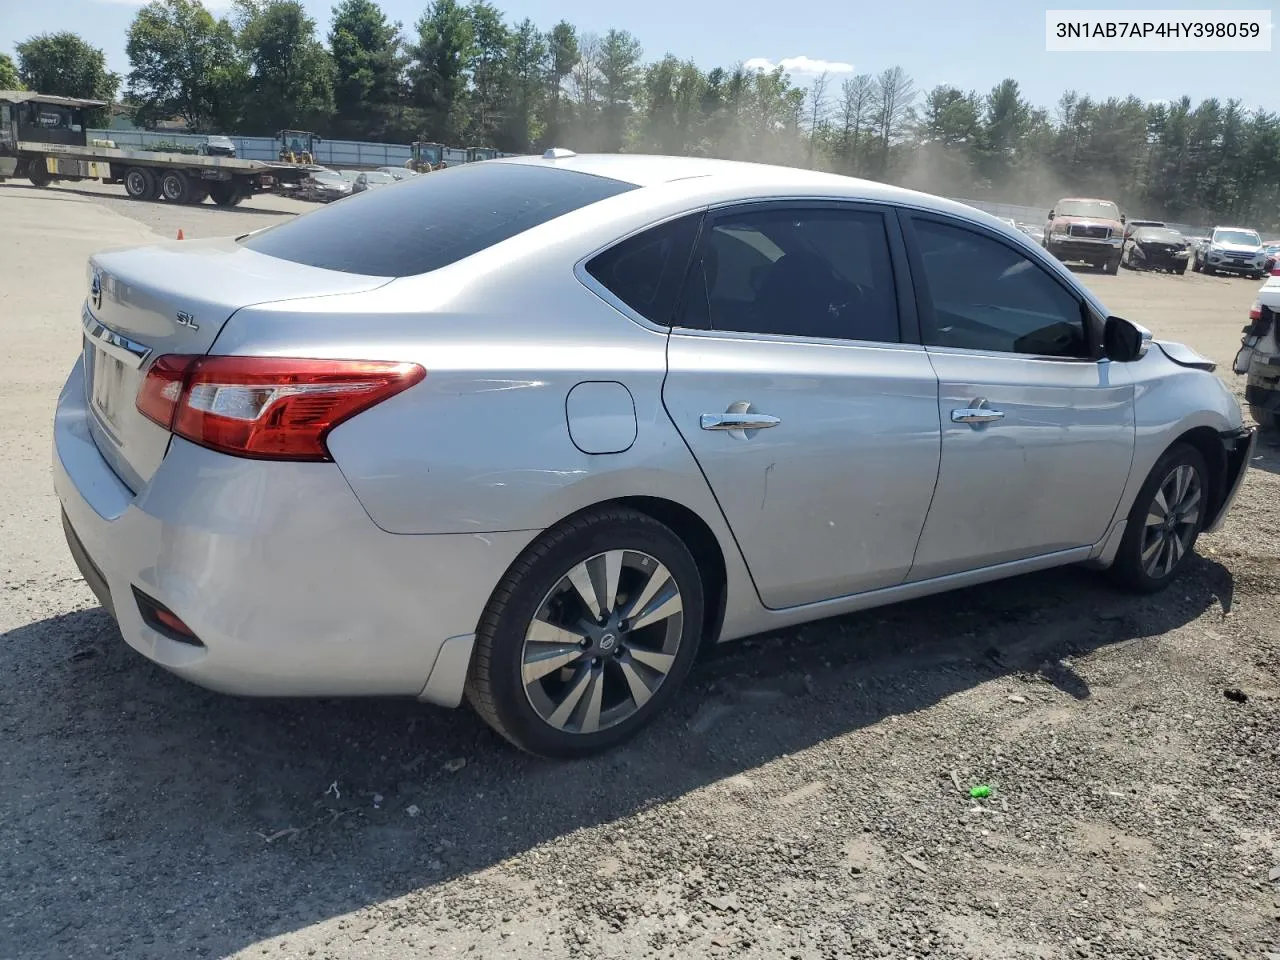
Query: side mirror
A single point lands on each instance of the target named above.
(1123, 341)
(1050, 214)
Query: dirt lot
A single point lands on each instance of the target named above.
(808, 798)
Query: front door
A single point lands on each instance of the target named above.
(815, 425)
(1037, 432)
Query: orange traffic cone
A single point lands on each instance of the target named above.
(180, 236)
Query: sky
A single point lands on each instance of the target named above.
(966, 43)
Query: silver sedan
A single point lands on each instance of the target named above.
(531, 431)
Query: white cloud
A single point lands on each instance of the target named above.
(799, 65)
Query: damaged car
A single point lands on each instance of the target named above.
(1156, 248)
(1259, 357)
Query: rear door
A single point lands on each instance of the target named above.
(792, 380)
(1037, 431)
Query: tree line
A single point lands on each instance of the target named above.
(464, 75)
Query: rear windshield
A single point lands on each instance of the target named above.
(427, 222)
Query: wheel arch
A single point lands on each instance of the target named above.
(693, 531)
(1208, 442)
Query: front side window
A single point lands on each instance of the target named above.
(809, 272)
(987, 296)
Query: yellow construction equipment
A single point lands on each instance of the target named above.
(297, 146)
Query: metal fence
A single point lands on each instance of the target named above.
(338, 154)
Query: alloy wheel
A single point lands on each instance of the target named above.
(602, 641)
(1172, 522)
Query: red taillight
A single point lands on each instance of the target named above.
(1255, 312)
(266, 407)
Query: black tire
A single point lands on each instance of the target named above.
(199, 192)
(1112, 266)
(1130, 570)
(140, 183)
(174, 186)
(1195, 265)
(225, 193)
(1181, 270)
(36, 172)
(495, 683)
(1264, 418)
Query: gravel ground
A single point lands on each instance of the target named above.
(808, 798)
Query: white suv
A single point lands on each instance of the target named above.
(1232, 250)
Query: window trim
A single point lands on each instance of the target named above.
(924, 298)
(584, 277)
(904, 295)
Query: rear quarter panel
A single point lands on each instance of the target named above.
(482, 444)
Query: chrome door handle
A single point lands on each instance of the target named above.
(975, 415)
(976, 412)
(738, 421)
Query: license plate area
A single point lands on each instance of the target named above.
(107, 392)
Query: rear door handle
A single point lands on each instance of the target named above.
(738, 421)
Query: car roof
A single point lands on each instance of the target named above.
(755, 180)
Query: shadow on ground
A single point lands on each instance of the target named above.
(143, 814)
(65, 188)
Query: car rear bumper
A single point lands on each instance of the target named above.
(288, 585)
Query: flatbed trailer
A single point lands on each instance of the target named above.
(43, 137)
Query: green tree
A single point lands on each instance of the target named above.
(437, 71)
(290, 72)
(523, 118)
(184, 63)
(489, 71)
(9, 73)
(620, 74)
(951, 117)
(562, 54)
(64, 65)
(367, 66)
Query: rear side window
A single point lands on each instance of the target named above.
(646, 271)
(432, 220)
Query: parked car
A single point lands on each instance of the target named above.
(369, 179)
(1259, 356)
(215, 146)
(534, 430)
(1272, 264)
(325, 186)
(1086, 231)
(1156, 248)
(1232, 250)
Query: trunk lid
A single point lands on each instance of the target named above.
(172, 298)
